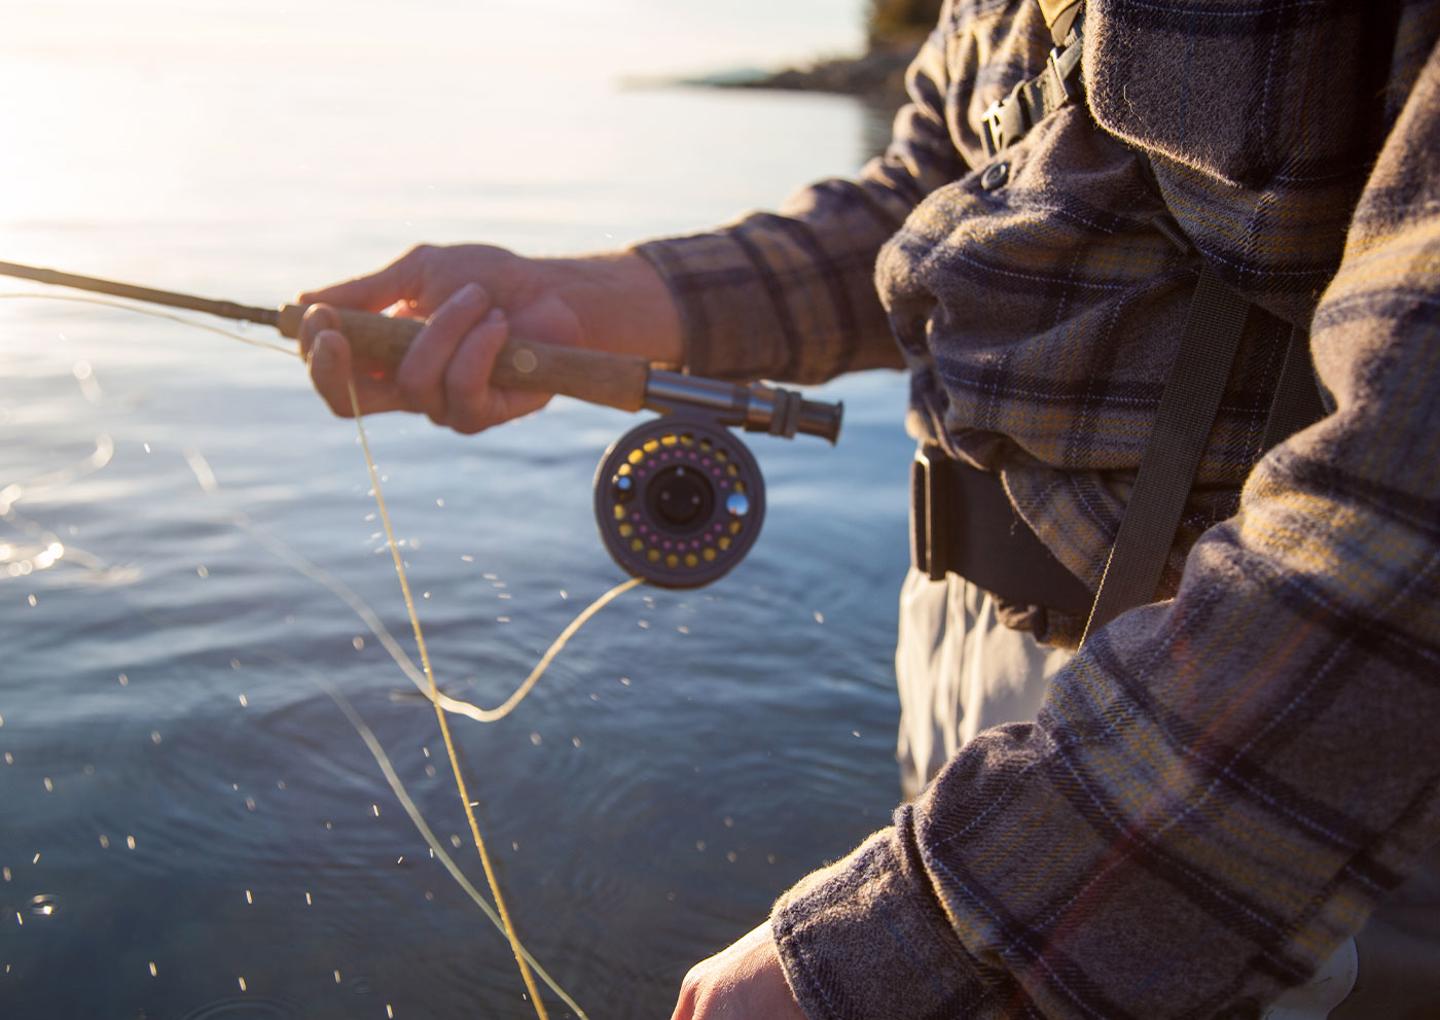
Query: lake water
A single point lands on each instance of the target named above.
(185, 810)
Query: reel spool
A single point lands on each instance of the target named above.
(679, 500)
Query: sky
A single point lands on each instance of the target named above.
(594, 38)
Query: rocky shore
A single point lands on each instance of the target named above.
(878, 74)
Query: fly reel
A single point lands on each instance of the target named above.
(679, 501)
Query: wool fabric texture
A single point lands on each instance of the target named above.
(1222, 784)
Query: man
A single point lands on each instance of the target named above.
(1222, 785)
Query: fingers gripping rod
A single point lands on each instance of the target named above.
(619, 381)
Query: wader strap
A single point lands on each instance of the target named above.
(1297, 401)
(1029, 102)
(962, 522)
(1060, 17)
(1182, 427)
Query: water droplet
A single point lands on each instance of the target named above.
(202, 570)
(337, 977)
(104, 841)
(732, 856)
(244, 701)
(819, 616)
(154, 736)
(9, 758)
(625, 681)
(154, 970)
(643, 624)
(376, 809)
(309, 900)
(430, 771)
(44, 905)
(5, 874)
(130, 842)
(425, 751)
(241, 983)
(123, 679)
(249, 803)
(575, 741)
(700, 845)
(49, 785)
(32, 600)
(358, 642)
(249, 897)
(36, 858)
(390, 1011)
(2, 720)
(234, 663)
(455, 842)
(147, 447)
(440, 502)
(502, 619)
(535, 739)
(729, 822)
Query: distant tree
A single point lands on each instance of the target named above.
(893, 23)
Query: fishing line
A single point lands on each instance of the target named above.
(525, 975)
(152, 313)
(440, 702)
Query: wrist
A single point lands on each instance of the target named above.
(624, 303)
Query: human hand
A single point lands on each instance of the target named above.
(743, 982)
(473, 297)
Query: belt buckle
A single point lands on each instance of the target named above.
(992, 130)
(928, 509)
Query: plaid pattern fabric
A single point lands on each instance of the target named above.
(1221, 785)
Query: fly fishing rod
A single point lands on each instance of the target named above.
(679, 500)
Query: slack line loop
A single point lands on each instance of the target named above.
(424, 678)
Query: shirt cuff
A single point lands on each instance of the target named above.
(866, 937)
(727, 314)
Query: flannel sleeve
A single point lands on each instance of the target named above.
(1220, 787)
(790, 295)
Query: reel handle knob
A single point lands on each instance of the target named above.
(594, 376)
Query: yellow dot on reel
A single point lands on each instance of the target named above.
(626, 530)
(709, 554)
(636, 545)
(691, 560)
(653, 555)
(672, 561)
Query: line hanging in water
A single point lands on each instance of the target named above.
(442, 703)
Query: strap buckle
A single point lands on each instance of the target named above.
(1062, 63)
(1005, 122)
(928, 511)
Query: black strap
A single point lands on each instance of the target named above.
(1297, 398)
(1029, 102)
(1188, 406)
(962, 522)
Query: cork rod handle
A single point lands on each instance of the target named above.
(596, 377)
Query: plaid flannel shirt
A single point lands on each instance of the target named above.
(1221, 785)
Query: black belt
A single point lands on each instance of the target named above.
(962, 522)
